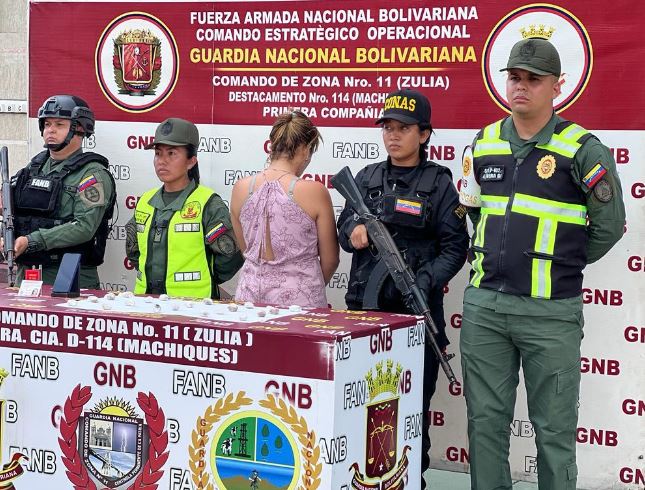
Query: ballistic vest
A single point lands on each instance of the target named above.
(37, 206)
(188, 271)
(408, 214)
(531, 237)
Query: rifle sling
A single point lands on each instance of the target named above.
(374, 284)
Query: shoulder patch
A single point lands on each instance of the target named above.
(93, 195)
(594, 175)
(603, 191)
(460, 211)
(226, 245)
(215, 232)
(88, 181)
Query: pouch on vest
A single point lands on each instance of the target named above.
(36, 193)
(404, 211)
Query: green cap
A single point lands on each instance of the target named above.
(175, 132)
(536, 55)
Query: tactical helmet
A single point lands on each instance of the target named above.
(67, 107)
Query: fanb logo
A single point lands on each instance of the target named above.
(118, 449)
(263, 447)
(382, 471)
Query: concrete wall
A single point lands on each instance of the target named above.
(14, 81)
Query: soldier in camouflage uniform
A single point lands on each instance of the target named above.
(180, 238)
(64, 198)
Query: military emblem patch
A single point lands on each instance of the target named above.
(191, 210)
(603, 191)
(546, 167)
(93, 195)
(226, 245)
(466, 165)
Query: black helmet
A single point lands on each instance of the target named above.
(67, 107)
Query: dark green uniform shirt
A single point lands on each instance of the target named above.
(227, 256)
(606, 220)
(87, 209)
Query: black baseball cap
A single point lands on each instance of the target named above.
(406, 106)
(536, 55)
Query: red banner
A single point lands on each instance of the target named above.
(246, 62)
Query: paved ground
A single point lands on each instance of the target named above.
(448, 480)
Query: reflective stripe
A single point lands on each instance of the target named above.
(573, 132)
(541, 268)
(494, 204)
(479, 257)
(491, 143)
(565, 143)
(545, 208)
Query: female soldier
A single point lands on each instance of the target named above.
(180, 238)
(285, 225)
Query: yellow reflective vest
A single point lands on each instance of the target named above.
(189, 268)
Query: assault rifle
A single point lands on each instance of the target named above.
(7, 216)
(403, 277)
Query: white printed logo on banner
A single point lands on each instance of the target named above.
(137, 64)
(544, 21)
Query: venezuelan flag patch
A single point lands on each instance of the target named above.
(218, 230)
(408, 207)
(87, 182)
(594, 175)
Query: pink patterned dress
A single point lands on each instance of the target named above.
(294, 276)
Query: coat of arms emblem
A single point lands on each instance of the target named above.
(384, 470)
(137, 62)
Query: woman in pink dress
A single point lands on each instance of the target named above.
(285, 226)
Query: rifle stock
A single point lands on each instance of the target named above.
(7, 216)
(403, 277)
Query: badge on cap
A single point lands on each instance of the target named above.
(166, 128)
